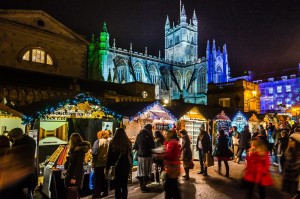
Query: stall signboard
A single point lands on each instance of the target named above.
(162, 126)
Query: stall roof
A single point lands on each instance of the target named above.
(131, 109)
(39, 109)
(10, 111)
(209, 112)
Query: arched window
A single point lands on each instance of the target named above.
(37, 55)
(138, 72)
(178, 77)
(218, 75)
(201, 79)
(153, 74)
(188, 79)
(122, 70)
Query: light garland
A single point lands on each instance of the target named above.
(83, 99)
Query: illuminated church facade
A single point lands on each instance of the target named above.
(180, 74)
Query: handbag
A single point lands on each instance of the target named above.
(209, 160)
(110, 174)
(72, 192)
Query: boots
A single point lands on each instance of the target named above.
(205, 171)
(219, 167)
(227, 169)
(187, 175)
(143, 183)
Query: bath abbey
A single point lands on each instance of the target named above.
(180, 74)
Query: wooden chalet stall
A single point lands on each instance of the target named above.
(239, 120)
(54, 121)
(253, 122)
(138, 114)
(221, 121)
(190, 119)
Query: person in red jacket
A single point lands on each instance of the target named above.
(257, 168)
(172, 165)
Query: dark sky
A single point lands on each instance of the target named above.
(261, 35)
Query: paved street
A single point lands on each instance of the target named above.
(212, 186)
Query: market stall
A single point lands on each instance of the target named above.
(221, 121)
(253, 122)
(190, 119)
(54, 121)
(239, 120)
(138, 114)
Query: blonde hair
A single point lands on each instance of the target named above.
(102, 134)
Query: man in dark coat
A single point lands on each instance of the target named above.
(144, 143)
(245, 137)
(203, 146)
(23, 148)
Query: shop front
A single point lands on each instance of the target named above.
(54, 122)
(191, 120)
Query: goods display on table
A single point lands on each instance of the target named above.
(54, 172)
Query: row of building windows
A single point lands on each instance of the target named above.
(279, 89)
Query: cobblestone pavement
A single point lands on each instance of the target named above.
(213, 186)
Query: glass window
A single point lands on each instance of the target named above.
(288, 88)
(38, 56)
(152, 73)
(187, 81)
(279, 89)
(219, 75)
(26, 56)
(179, 81)
(270, 90)
(201, 80)
(138, 72)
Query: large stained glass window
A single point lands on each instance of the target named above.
(138, 72)
(37, 55)
(153, 74)
(201, 79)
(219, 75)
(178, 77)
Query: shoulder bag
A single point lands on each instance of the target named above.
(110, 174)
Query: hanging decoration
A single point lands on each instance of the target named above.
(82, 106)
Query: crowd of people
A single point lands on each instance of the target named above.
(168, 151)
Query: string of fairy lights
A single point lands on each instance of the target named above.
(70, 108)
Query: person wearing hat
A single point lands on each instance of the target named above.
(144, 143)
(291, 171)
(23, 148)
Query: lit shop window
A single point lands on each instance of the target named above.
(279, 89)
(271, 91)
(288, 88)
(38, 56)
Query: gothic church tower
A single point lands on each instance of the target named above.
(181, 41)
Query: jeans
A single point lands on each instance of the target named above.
(201, 159)
(171, 188)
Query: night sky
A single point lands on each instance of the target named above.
(261, 35)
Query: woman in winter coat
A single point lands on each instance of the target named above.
(99, 152)
(186, 153)
(120, 154)
(223, 152)
(291, 171)
(172, 165)
(74, 164)
(257, 168)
